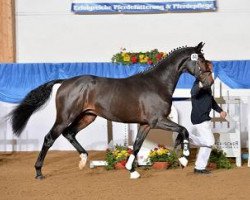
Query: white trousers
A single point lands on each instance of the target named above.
(201, 135)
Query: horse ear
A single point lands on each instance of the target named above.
(200, 46)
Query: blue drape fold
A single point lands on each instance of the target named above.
(235, 74)
(17, 79)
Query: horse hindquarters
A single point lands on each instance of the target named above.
(30, 104)
(70, 119)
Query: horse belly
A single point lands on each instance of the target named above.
(119, 112)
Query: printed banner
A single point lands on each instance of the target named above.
(94, 7)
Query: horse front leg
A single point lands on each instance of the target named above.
(182, 138)
(141, 135)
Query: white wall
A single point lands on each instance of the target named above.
(47, 31)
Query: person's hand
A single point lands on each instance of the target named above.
(223, 114)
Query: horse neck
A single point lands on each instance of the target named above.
(168, 73)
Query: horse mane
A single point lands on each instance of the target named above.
(172, 53)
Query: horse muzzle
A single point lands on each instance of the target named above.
(207, 79)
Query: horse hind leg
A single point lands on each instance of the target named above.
(178, 140)
(185, 148)
(49, 140)
(70, 134)
(182, 138)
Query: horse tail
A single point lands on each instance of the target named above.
(30, 104)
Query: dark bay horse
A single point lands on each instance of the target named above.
(144, 98)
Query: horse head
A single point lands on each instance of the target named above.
(199, 67)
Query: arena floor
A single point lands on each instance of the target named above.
(65, 181)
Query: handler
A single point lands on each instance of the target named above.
(201, 134)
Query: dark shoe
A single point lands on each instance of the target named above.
(201, 171)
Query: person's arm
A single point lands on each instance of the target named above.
(215, 106)
(218, 109)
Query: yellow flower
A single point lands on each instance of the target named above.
(143, 59)
(126, 57)
(152, 154)
(119, 155)
(141, 56)
(160, 152)
(124, 54)
(123, 151)
(146, 59)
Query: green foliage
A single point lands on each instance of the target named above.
(219, 157)
(110, 159)
(173, 159)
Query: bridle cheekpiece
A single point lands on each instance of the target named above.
(195, 57)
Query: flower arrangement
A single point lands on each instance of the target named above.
(119, 156)
(218, 157)
(163, 154)
(149, 57)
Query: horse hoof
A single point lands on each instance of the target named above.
(81, 165)
(183, 161)
(40, 177)
(134, 175)
(83, 161)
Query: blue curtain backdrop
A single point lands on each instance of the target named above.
(17, 79)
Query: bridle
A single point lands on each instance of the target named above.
(195, 57)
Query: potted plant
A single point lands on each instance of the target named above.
(128, 58)
(218, 160)
(117, 158)
(162, 158)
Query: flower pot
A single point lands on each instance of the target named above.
(119, 166)
(212, 166)
(160, 165)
